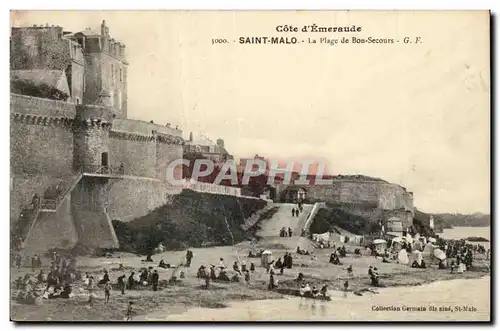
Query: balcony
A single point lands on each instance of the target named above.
(98, 169)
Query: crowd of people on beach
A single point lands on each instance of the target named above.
(220, 272)
(284, 232)
(64, 273)
(337, 253)
(461, 254)
(57, 283)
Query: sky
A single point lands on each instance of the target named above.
(413, 114)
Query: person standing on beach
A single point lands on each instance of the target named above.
(129, 311)
(121, 283)
(19, 260)
(293, 212)
(155, 280)
(189, 258)
(271, 280)
(107, 292)
(90, 288)
(349, 271)
(131, 281)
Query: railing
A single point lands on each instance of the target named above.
(252, 220)
(50, 204)
(54, 203)
(102, 170)
(25, 223)
(211, 188)
(317, 206)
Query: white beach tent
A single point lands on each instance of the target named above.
(428, 249)
(397, 243)
(380, 245)
(355, 240)
(403, 257)
(417, 245)
(428, 253)
(439, 254)
(266, 258)
(409, 238)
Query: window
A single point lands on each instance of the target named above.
(83, 83)
(121, 75)
(112, 73)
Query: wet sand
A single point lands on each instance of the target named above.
(467, 300)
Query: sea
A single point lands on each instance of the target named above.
(464, 232)
(453, 300)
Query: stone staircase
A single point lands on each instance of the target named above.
(283, 218)
(316, 207)
(24, 224)
(252, 220)
(29, 215)
(51, 205)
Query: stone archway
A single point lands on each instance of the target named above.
(301, 194)
(294, 194)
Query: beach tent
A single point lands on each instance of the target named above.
(328, 237)
(432, 240)
(409, 238)
(428, 253)
(417, 246)
(403, 257)
(397, 244)
(428, 249)
(355, 240)
(439, 254)
(266, 258)
(380, 245)
(415, 256)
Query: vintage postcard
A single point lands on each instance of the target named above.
(250, 166)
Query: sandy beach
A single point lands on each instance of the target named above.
(189, 294)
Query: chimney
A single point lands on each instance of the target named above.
(122, 51)
(103, 28)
